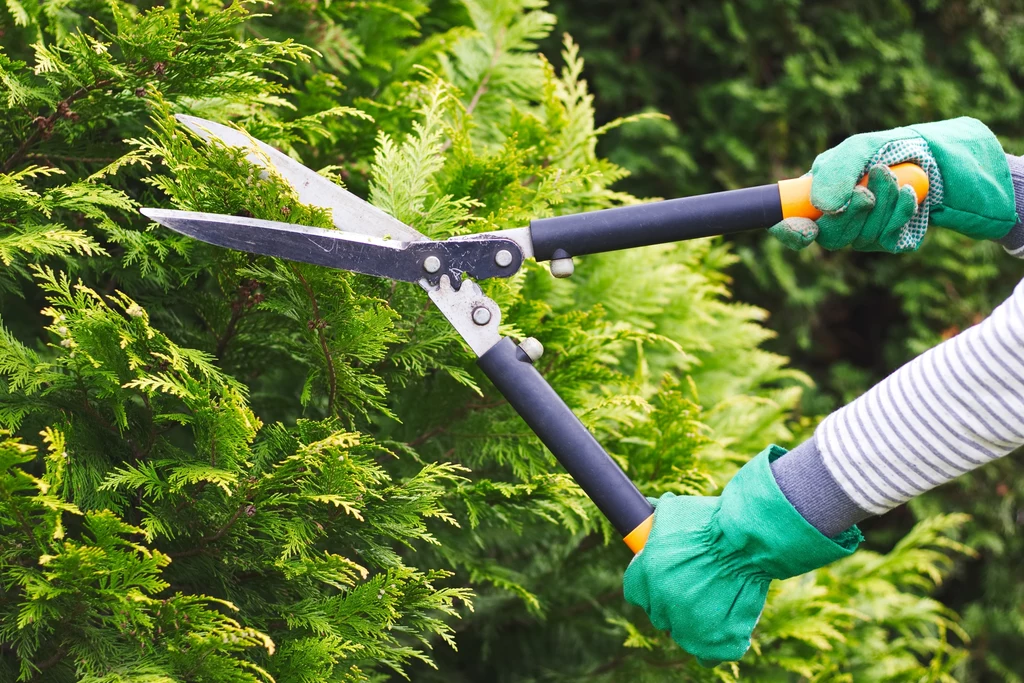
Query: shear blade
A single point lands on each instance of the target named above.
(334, 249)
(406, 261)
(349, 212)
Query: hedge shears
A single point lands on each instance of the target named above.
(370, 241)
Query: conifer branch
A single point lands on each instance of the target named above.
(229, 332)
(186, 500)
(242, 304)
(205, 541)
(479, 92)
(45, 126)
(467, 408)
(219, 534)
(482, 88)
(48, 158)
(107, 425)
(428, 435)
(23, 523)
(152, 432)
(48, 663)
(607, 667)
(319, 324)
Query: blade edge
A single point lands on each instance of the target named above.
(348, 212)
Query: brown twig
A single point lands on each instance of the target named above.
(482, 88)
(195, 495)
(23, 523)
(45, 126)
(219, 534)
(137, 453)
(467, 408)
(71, 157)
(246, 298)
(318, 324)
(229, 332)
(608, 666)
(216, 536)
(49, 662)
(427, 435)
(475, 100)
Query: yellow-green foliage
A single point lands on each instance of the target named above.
(261, 470)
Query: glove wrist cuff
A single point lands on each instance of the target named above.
(758, 522)
(978, 192)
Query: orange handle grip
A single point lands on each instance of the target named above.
(796, 193)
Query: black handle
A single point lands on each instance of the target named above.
(720, 213)
(511, 371)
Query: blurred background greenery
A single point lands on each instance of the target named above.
(755, 89)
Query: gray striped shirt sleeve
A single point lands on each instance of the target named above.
(950, 410)
(1013, 242)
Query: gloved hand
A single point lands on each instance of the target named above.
(703, 575)
(970, 190)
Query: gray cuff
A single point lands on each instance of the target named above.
(1014, 240)
(810, 488)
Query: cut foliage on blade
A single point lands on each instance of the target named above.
(349, 212)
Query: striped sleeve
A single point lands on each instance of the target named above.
(1013, 241)
(948, 411)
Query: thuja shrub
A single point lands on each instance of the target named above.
(223, 467)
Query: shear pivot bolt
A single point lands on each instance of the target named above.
(562, 267)
(503, 258)
(481, 316)
(532, 348)
(431, 264)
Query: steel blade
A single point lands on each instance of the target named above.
(406, 261)
(349, 212)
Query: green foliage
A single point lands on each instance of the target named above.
(260, 470)
(84, 579)
(755, 90)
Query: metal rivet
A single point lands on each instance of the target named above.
(562, 267)
(481, 316)
(431, 264)
(503, 257)
(532, 348)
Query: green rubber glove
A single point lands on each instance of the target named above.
(970, 190)
(703, 575)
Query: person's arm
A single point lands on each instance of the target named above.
(704, 574)
(948, 411)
